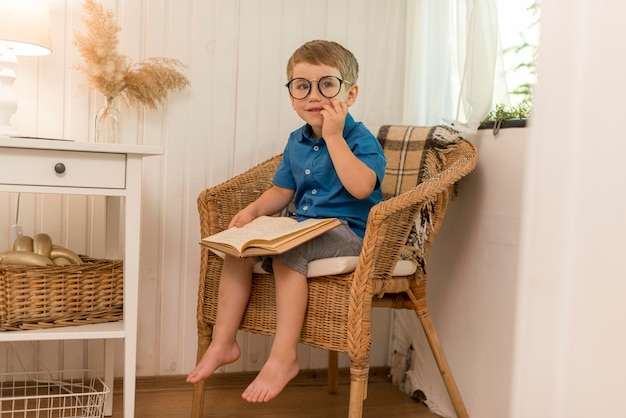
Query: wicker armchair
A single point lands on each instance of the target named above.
(423, 165)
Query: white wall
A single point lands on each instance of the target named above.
(472, 282)
(235, 114)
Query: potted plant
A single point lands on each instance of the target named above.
(503, 116)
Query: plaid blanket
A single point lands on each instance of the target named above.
(414, 153)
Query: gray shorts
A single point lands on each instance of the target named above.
(338, 242)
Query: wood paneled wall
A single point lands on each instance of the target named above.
(236, 114)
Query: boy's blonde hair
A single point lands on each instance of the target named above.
(325, 53)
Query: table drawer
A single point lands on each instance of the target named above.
(35, 167)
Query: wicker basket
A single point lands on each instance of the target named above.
(46, 297)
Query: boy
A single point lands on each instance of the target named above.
(334, 167)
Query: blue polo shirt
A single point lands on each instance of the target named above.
(306, 167)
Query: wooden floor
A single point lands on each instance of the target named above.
(305, 397)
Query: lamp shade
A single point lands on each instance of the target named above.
(25, 27)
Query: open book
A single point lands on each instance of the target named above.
(268, 235)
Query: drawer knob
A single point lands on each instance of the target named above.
(59, 168)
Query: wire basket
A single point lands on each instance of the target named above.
(75, 393)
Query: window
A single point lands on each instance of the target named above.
(519, 33)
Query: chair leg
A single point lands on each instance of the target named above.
(435, 346)
(197, 402)
(358, 389)
(333, 371)
(359, 374)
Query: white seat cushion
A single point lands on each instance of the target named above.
(340, 265)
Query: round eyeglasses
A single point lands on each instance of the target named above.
(328, 86)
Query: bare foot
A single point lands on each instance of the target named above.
(271, 380)
(214, 357)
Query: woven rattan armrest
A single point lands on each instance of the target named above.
(389, 222)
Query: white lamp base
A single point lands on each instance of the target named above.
(8, 98)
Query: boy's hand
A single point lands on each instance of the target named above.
(241, 218)
(270, 202)
(334, 115)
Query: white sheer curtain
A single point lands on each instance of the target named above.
(453, 50)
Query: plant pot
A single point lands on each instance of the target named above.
(503, 124)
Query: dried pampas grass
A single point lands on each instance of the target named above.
(146, 83)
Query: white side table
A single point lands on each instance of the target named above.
(28, 165)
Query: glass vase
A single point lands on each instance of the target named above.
(108, 122)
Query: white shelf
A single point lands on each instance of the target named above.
(80, 332)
